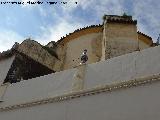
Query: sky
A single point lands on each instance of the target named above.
(49, 22)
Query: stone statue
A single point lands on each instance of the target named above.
(84, 57)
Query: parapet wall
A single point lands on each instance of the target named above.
(39, 88)
(136, 103)
(123, 68)
(130, 66)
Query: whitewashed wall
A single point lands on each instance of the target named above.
(139, 103)
(39, 88)
(5, 65)
(125, 67)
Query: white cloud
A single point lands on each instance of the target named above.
(54, 33)
(143, 9)
(147, 10)
(8, 38)
(111, 7)
(147, 14)
(65, 26)
(103, 7)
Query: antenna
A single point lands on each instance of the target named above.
(158, 40)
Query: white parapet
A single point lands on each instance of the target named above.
(39, 88)
(137, 103)
(123, 68)
(126, 67)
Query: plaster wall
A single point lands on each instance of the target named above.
(139, 103)
(144, 42)
(120, 39)
(91, 42)
(39, 88)
(143, 45)
(122, 68)
(5, 65)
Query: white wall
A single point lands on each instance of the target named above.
(139, 103)
(5, 65)
(125, 67)
(39, 88)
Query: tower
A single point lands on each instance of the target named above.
(119, 36)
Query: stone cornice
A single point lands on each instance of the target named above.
(125, 21)
(89, 92)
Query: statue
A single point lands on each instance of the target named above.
(84, 57)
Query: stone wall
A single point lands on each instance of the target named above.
(61, 52)
(36, 51)
(144, 42)
(121, 38)
(91, 42)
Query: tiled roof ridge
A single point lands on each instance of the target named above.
(77, 30)
(144, 35)
(116, 20)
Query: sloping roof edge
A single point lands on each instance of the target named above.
(149, 41)
(7, 54)
(80, 31)
(71, 36)
(13, 50)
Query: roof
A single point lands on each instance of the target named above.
(15, 49)
(144, 35)
(119, 19)
(7, 54)
(94, 29)
(79, 32)
(113, 20)
(148, 41)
